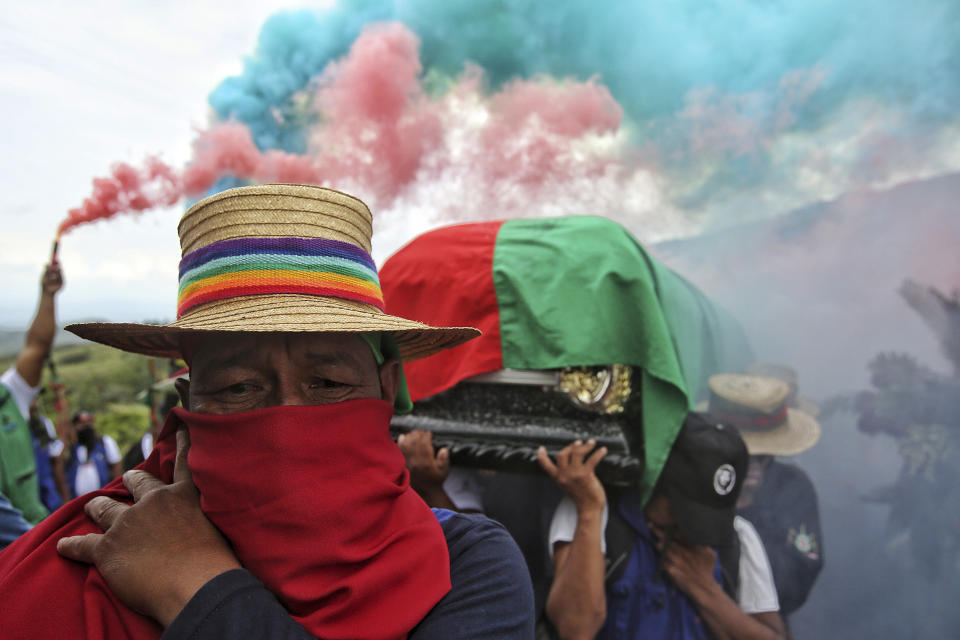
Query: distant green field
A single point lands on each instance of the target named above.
(109, 383)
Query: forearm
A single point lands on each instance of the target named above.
(64, 426)
(727, 621)
(577, 602)
(38, 341)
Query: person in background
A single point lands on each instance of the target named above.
(12, 524)
(438, 483)
(94, 459)
(778, 498)
(682, 566)
(19, 386)
(141, 449)
(48, 449)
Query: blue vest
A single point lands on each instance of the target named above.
(48, 489)
(98, 456)
(643, 603)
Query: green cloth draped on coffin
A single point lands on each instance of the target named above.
(558, 292)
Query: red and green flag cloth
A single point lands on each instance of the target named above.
(558, 292)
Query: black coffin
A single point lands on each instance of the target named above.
(498, 421)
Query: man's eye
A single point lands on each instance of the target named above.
(326, 383)
(238, 389)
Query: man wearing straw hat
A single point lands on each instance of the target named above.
(274, 503)
(778, 498)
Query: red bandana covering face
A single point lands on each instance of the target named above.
(316, 502)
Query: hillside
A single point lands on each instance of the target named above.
(108, 383)
(11, 340)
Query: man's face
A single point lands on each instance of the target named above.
(244, 372)
(660, 519)
(662, 524)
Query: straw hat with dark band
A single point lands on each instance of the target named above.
(757, 406)
(276, 258)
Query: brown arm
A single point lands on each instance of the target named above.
(39, 337)
(691, 569)
(577, 603)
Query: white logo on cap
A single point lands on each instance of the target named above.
(724, 479)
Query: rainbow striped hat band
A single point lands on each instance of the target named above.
(276, 258)
(257, 266)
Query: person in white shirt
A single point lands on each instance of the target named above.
(671, 575)
(94, 459)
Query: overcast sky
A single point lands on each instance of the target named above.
(84, 85)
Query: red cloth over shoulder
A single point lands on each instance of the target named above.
(316, 502)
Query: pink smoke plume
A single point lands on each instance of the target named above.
(378, 132)
(127, 189)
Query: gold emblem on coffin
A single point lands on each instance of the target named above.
(597, 389)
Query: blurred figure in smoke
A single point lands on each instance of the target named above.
(778, 498)
(920, 409)
(94, 459)
(19, 386)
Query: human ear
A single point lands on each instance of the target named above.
(389, 380)
(183, 390)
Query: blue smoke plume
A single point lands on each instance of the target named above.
(650, 55)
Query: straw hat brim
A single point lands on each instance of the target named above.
(275, 313)
(800, 432)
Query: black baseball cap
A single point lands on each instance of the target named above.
(702, 478)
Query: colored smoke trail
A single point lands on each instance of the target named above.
(531, 147)
(745, 110)
(126, 190)
(722, 114)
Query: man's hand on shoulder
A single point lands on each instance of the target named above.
(157, 553)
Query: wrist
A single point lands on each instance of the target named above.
(590, 512)
(704, 589)
(172, 601)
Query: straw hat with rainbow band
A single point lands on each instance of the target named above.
(758, 407)
(277, 258)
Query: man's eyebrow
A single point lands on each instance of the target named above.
(226, 360)
(333, 358)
